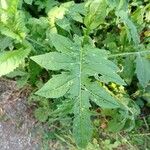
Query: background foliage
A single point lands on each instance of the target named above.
(93, 56)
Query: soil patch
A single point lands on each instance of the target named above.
(16, 124)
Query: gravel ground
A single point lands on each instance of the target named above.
(16, 124)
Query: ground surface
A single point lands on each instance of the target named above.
(16, 125)
(18, 128)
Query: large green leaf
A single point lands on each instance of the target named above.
(142, 70)
(11, 60)
(79, 63)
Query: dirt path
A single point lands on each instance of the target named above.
(16, 125)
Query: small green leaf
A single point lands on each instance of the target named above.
(4, 43)
(142, 70)
(57, 86)
(64, 24)
(138, 15)
(116, 124)
(97, 11)
(64, 108)
(128, 69)
(22, 81)
(11, 60)
(101, 97)
(132, 28)
(62, 44)
(28, 1)
(54, 61)
(41, 114)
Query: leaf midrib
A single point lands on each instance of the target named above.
(80, 86)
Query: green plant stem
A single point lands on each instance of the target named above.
(142, 134)
(128, 53)
(33, 41)
(146, 124)
(132, 147)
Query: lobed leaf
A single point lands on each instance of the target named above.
(78, 63)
